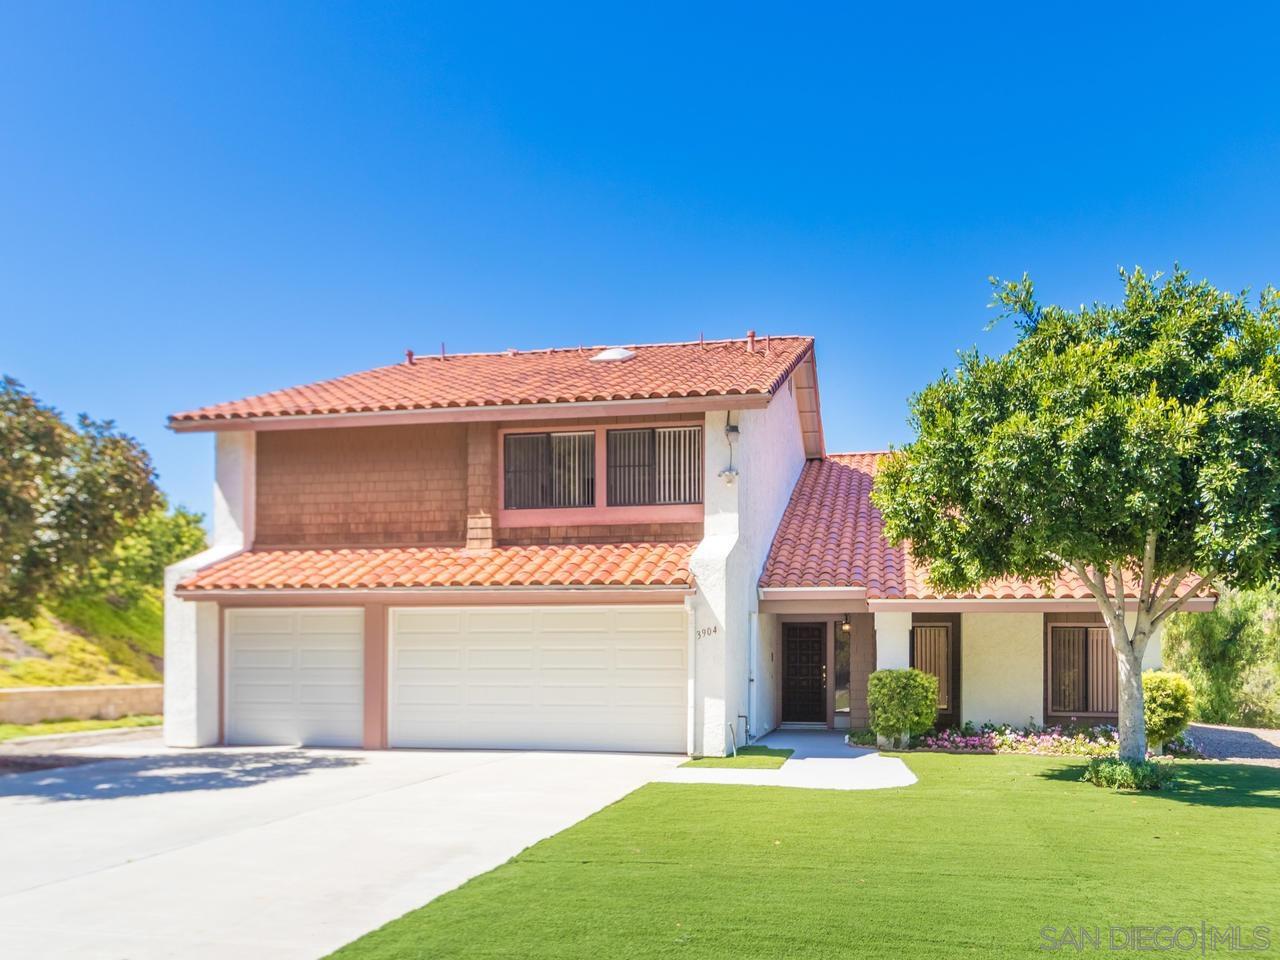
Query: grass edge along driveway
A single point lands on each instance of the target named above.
(987, 856)
(753, 757)
(12, 731)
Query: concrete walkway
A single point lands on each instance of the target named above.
(822, 760)
(265, 852)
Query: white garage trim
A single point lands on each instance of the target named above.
(564, 678)
(294, 676)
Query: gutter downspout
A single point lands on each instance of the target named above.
(753, 642)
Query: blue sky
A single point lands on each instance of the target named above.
(199, 202)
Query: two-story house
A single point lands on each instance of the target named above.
(643, 548)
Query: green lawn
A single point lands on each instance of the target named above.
(9, 731)
(974, 860)
(748, 758)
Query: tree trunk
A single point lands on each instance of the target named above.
(1133, 725)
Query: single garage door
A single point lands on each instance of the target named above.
(295, 677)
(557, 678)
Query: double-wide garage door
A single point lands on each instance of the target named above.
(566, 678)
(607, 678)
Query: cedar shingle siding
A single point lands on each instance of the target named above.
(380, 486)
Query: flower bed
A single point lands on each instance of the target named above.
(1098, 741)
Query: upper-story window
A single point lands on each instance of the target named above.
(549, 470)
(658, 467)
(653, 466)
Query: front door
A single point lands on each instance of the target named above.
(804, 673)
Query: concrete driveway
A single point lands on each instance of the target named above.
(269, 852)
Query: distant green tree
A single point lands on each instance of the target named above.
(1214, 650)
(136, 562)
(67, 494)
(1136, 444)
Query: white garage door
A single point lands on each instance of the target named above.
(560, 678)
(295, 677)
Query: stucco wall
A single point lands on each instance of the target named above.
(1002, 667)
(35, 704)
(772, 458)
(766, 672)
(741, 517)
(191, 627)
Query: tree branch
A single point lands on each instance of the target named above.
(1147, 589)
(1117, 585)
(1178, 602)
(1171, 587)
(1098, 587)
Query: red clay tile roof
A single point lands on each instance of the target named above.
(665, 370)
(832, 536)
(605, 565)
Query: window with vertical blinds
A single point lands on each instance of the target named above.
(1083, 674)
(654, 466)
(542, 470)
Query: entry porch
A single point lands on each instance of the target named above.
(996, 662)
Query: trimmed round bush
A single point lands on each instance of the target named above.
(1169, 701)
(902, 701)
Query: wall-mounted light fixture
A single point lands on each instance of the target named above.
(731, 434)
(846, 626)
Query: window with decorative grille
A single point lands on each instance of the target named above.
(654, 466)
(931, 652)
(543, 470)
(1083, 674)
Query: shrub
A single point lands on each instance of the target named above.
(1169, 702)
(1127, 774)
(862, 738)
(902, 701)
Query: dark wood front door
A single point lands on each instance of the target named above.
(804, 673)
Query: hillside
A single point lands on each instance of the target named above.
(84, 639)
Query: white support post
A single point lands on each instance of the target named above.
(893, 640)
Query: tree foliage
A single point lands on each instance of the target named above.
(137, 560)
(1136, 444)
(1227, 653)
(67, 493)
(1216, 649)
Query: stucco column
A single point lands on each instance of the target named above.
(235, 495)
(1153, 656)
(715, 611)
(191, 662)
(192, 633)
(893, 640)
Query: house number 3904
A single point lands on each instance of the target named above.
(705, 632)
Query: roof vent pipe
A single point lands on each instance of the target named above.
(751, 341)
(408, 357)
